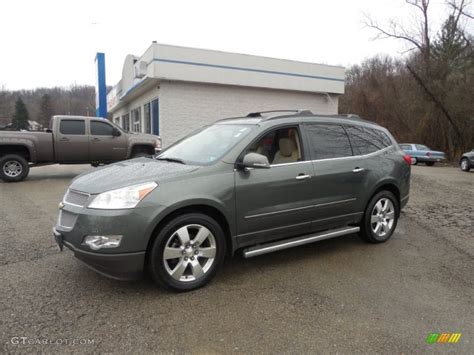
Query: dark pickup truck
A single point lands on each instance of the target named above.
(70, 140)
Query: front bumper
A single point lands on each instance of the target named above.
(123, 266)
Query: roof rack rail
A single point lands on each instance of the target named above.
(259, 114)
(348, 115)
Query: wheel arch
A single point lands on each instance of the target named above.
(20, 149)
(142, 148)
(386, 185)
(205, 207)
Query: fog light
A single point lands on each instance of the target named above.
(96, 242)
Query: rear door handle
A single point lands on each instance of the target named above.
(64, 139)
(358, 170)
(303, 177)
(95, 139)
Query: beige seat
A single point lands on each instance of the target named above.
(288, 152)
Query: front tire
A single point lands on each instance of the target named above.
(13, 168)
(464, 165)
(187, 252)
(380, 218)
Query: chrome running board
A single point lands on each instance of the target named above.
(294, 242)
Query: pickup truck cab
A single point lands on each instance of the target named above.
(70, 140)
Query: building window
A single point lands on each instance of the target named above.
(136, 120)
(155, 117)
(147, 117)
(126, 122)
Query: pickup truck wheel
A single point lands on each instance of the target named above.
(380, 218)
(187, 252)
(13, 168)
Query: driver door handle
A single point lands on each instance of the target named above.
(358, 170)
(303, 177)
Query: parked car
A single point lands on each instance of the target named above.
(466, 162)
(422, 154)
(254, 184)
(70, 140)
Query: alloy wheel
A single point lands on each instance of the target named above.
(189, 253)
(12, 168)
(382, 217)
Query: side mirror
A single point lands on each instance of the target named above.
(116, 132)
(256, 161)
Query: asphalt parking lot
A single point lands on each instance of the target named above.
(339, 295)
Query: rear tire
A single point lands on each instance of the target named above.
(13, 168)
(380, 218)
(414, 161)
(464, 165)
(430, 163)
(187, 252)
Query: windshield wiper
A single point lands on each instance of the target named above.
(174, 160)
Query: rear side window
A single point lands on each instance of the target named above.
(73, 127)
(405, 146)
(101, 129)
(327, 141)
(367, 140)
(421, 147)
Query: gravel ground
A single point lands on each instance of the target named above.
(338, 295)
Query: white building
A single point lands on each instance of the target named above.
(170, 91)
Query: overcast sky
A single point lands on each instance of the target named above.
(47, 43)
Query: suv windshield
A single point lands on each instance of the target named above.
(207, 145)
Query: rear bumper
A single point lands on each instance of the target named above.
(429, 159)
(123, 266)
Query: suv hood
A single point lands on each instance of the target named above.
(129, 172)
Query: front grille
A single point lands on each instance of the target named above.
(76, 198)
(66, 219)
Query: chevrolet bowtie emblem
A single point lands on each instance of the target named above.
(61, 205)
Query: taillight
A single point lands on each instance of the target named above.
(407, 159)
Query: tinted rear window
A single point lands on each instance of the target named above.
(327, 141)
(367, 140)
(101, 129)
(77, 127)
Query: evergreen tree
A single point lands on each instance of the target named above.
(46, 110)
(20, 117)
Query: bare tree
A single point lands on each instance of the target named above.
(431, 72)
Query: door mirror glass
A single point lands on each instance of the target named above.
(256, 161)
(116, 132)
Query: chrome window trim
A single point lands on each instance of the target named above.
(338, 158)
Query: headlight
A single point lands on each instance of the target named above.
(126, 197)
